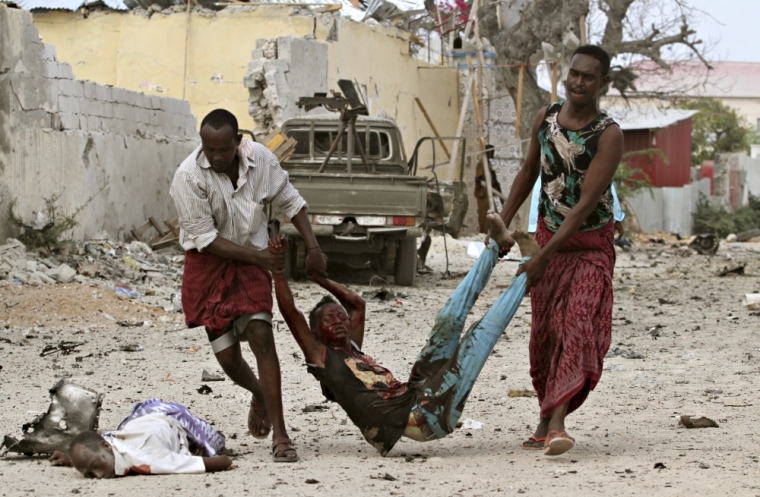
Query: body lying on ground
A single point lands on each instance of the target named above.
(428, 405)
(156, 438)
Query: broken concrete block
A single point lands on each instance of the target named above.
(49, 52)
(43, 277)
(63, 273)
(64, 71)
(31, 266)
(18, 275)
(90, 90)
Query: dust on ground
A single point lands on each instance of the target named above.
(700, 357)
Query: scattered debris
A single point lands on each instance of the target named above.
(733, 270)
(665, 301)
(382, 295)
(206, 376)
(747, 235)
(752, 301)
(660, 465)
(471, 424)
(73, 409)
(169, 377)
(693, 422)
(128, 324)
(63, 347)
(705, 244)
(627, 354)
(704, 465)
(315, 408)
(205, 390)
(132, 347)
(521, 392)
(311, 481)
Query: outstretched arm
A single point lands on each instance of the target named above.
(350, 301)
(217, 463)
(299, 327)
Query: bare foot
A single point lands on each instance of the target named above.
(498, 232)
(526, 242)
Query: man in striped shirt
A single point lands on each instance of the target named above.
(220, 192)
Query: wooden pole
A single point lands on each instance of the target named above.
(584, 30)
(482, 140)
(432, 126)
(486, 162)
(520, 77)
(554, 82)
(460, 126)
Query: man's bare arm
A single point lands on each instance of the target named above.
(353, 304)
(598, 178)
(294, 318)
(263, 258)
(217, 463)
(315, 261)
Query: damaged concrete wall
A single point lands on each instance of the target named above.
(499, 116)
(146, 51)
(59, 135)
(283, 70)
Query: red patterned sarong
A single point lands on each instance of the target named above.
(572, 318)
(215, 291)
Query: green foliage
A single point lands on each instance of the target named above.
(628, 180)
(721, 222)
(716, 128)
(60, 222)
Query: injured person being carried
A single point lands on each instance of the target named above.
(429, 405)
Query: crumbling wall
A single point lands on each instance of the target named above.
(59, 135)
(499, 117)
(283, 70)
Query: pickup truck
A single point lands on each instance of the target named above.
(370, 214)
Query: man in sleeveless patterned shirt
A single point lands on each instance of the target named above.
(575, 149)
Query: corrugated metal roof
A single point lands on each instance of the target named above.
(64, 4)
(630, 118)
(693, 79)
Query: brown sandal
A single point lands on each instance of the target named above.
(534, 442)
(558, 442)
(255, 419)
(278, 453)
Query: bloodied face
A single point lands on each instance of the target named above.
(585, 80)
(220, 147)
(332, 326)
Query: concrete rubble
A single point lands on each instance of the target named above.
(131, 270)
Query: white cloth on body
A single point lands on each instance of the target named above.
(154, 444)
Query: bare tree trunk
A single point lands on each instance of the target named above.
(540, 21)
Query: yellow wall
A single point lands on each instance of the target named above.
(147, 54)
(131, 51)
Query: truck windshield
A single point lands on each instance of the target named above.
(379, 143)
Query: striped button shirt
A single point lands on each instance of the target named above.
(209, 206)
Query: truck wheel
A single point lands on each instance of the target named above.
(406, 262)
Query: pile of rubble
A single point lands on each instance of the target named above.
(131, 270)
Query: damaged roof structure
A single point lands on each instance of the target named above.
(357, 10)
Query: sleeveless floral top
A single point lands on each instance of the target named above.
(565, 157)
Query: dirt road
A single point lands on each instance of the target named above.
(700, 354)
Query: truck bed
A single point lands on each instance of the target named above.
(362, 194)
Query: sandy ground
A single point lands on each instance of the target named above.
(704, 362)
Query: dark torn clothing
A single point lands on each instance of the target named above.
(376, 402)
(431, 402)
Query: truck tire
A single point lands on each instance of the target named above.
(406, 262)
